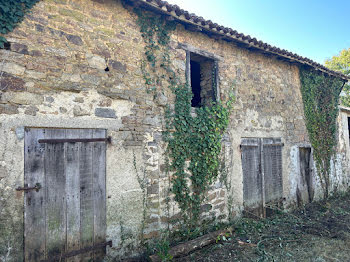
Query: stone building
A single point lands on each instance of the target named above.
(78, 127)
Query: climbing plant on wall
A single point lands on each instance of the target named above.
(11, 13)
(194, 141)
(320, 95)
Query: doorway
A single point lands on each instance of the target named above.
(64, 194)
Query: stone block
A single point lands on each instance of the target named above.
(78, 111)
(79, 99)
(206, 208)
(19, 48)
(3, 172)
(75, 78)
(35, 75)
(72, 87)
(96, 61)
(22, 98)
(71, 13)
(221, 207)
(13, 68)
(222, 193)
(35, 53)
(8, 109)
(63, 110)
(49, 99)
(91, 79)
(74, 39)
(289, 126)
(105, 112)
(115, 94)
(161, 99)
(31, 110)
(9, 82)
(105, 102)
(56, 51)
(212, 196)
(116, 65)
(153, 189)
(20, 132)
(39, 28)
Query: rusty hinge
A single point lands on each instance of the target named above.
(26, 189)
(74, 140)
(78, 252)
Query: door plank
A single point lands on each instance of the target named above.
(99, 192)
(55, 190)
(273, 169)
(70, 212)
(34, 214)
(73, 194)
(86, 195)
(252, 180)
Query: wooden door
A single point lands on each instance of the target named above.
(272, 162)
(262, 173)
(68, 212)
(306, 185)
(252, 177)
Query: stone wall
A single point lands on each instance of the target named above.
(76, 64)
(207, 93)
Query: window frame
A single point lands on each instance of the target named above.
(216, 59)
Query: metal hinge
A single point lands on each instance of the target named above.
(26, 189)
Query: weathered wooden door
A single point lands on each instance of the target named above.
(252, 176)
(68, 211)
(305, 188)
(262, 173)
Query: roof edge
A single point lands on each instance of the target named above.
(226, 33)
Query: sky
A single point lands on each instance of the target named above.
(316, 29)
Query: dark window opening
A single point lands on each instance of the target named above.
(196, 83)
(7, 46)
(349, 126)
(203, 80)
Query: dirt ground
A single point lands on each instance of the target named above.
(318, 232)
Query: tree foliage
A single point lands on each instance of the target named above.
(341, 63)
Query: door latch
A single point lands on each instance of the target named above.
(26, 189)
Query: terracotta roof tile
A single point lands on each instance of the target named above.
(218, 29)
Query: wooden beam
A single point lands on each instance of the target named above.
(198, 51)
(187, 247)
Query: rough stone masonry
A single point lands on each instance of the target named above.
(54, 76)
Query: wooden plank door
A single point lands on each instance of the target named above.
(68, 213)
(272, 158)
(262, 173)
(252, 177)
(306, 184)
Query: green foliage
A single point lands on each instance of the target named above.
(341, 63)
(194, 142)
(321, 97)
(194, 147)
(155, 33)
(162, 248)
(12, 13)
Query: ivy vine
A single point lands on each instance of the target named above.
(194, 142)
(11, 14)
(320, 95)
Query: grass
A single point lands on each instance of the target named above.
(318, 232)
